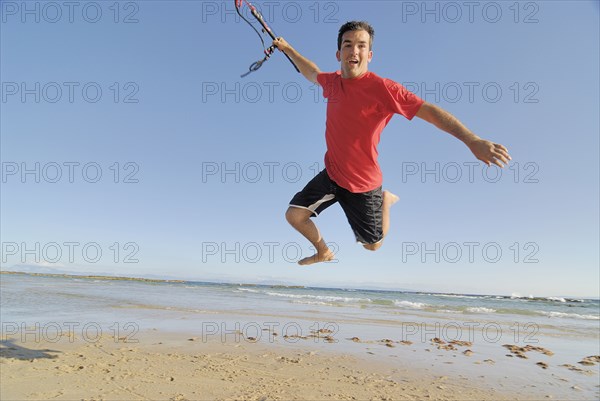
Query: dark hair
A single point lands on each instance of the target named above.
(356, 26)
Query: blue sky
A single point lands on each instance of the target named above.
(130, 145)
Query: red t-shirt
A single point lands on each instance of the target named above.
(357, 111)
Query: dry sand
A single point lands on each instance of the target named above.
(175, 367)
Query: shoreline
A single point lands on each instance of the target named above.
(287, 344)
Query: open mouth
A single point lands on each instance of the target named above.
(354, 62)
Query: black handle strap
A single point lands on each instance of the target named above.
(268, 51)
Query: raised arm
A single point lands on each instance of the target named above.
(306, 67)
(483, 150)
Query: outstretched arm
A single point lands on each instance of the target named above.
(483, 150)
(306, 67)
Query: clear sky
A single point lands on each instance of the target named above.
(130, 145)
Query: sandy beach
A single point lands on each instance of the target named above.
(171, 367)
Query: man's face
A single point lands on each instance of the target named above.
(354, 55)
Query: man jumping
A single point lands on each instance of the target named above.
(360, 105)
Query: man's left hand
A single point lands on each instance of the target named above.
(489, 152)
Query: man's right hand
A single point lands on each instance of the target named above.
(306, 67)
(281, 44)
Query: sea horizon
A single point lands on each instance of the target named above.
(51, 272)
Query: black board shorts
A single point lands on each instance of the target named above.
(364, 210)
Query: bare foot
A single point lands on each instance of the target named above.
(389, 198)
(318, 257)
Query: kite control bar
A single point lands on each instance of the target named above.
(268, 51)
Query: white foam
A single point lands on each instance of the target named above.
(319, 297)
(569, 315)
(248, 290)
(557, 299)
(305, 302)
(458, 296)
(480, 310)
(448, 311)
(412, 305)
